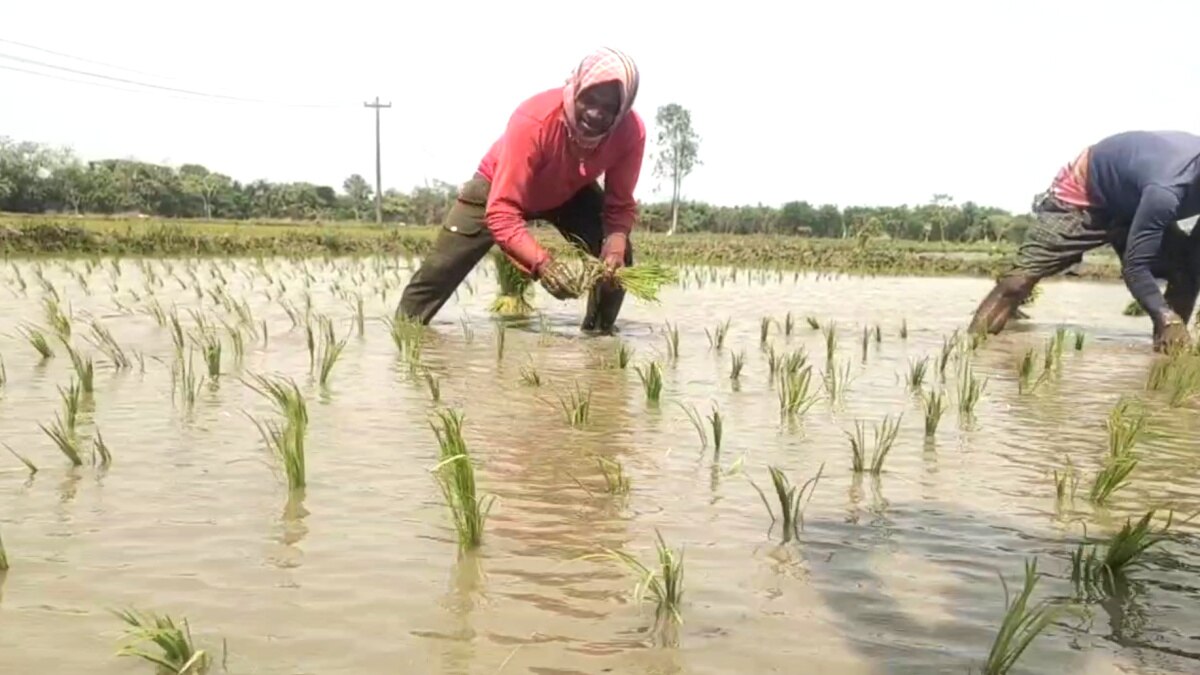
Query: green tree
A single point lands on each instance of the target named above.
(358, 194)
(678, 149)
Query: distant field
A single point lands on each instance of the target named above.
(23, 235)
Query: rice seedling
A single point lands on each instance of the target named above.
(455, 474)
(1125, 426)
(933, 403)
(1184, 382)
(1022, 623)
(1159, 375)
(356, 306)
(3, 373)
(736, 363)
(672, 337)
(916, 373)
(101, 455)
(467, 330)
(773, 361)
(1080, 336)
(103, 340)
(1096, 573)
(884, 436)
(189, 381)
(71, 397)
(697, 421)
(576, 405)
(1053, 354)
(664, 585)
(878, 334)
(38, 341)
(652, 380)
(794, 395)
(3, 557)
(21, 458)
(812, 322)
(1025, 373)
(59, 321)
(515, 288)
(406, 335)
(716, 338)
(866, 341)
(434, 384)
(624, 355)
(1113, 476)
(530, 375)
(329, 350)
(310, 341)
(1066, 483)
(836, 380)
(718, 426)
(616, 481)
(792, 362)
(831, 340)
(970, 390)
(501, 334)
(85, 370)
(904, 329)
(948, 346)
(64, 439)
(210, 348)
(176, 332)
(176, 651)
(287, 440)
(789, 324)
(764, 330)
(791, 501)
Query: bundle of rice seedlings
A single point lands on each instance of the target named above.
(652, 380)
(616, 481)
(643, 281)
(933, 403)
(884, 438)
(516, 289)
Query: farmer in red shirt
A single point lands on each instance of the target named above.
(545, 167)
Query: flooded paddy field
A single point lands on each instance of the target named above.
(360, 571)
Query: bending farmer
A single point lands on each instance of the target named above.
(545, 166)
(1128, 190)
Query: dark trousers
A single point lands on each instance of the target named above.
(1058, 241)
(464, 240)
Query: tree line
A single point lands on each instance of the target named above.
(36, 178)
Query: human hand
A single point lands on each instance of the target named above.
(555, 278)
(1171, 334)
(613, 251)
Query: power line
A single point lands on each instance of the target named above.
(77, 58)
(90, 83)
(191, 92)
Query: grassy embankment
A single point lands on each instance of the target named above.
(25, 236)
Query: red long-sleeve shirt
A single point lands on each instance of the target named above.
(532, 169)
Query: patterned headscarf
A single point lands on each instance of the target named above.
(603, 65)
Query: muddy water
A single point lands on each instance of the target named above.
(360, 574)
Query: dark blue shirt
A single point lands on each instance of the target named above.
(1150, 180)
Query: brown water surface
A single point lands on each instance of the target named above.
(360, 574)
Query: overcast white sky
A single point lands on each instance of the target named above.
(845, 102)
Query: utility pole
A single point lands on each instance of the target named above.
(378, 171)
